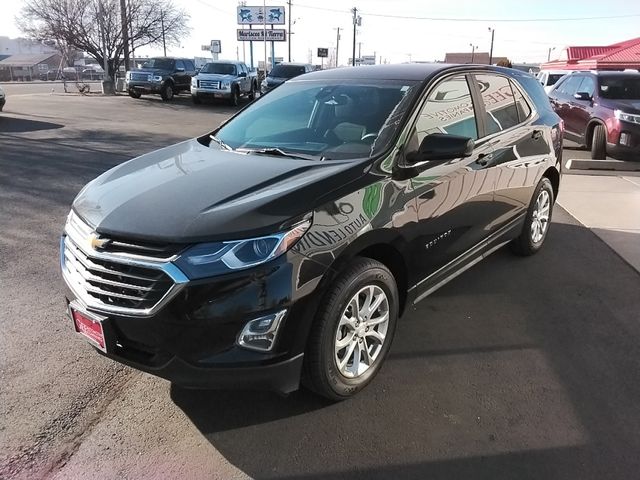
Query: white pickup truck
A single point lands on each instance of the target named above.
(225, 79)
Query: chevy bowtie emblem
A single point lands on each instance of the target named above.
(96, 242)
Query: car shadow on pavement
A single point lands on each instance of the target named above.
(21, 125)
(519, 368)
(183, 101)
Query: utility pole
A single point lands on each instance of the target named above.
(264, 26)
(289, 2)
(337, 46)
(549, 53)
(359, 49)
(355, 24)
(164, 45)
(133, 49)
(493, 32)
(473, 51)
(125, 32)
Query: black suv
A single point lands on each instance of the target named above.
(293, 237)
(283, 72)
(164, 75)
(601, 110)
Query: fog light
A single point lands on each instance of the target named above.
(625, 139)
(260, 334)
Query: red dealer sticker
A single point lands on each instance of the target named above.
(89, 327)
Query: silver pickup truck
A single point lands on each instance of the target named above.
(225, 79)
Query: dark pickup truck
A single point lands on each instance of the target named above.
(164, 75)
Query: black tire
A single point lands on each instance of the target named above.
(526, 245)
(252, 92)
(234, 100)
(322, 374)
(167, 91)
(196, 99)
(599, 143)
(133, 93)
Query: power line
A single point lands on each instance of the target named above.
(487, 20)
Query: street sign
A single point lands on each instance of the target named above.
(257, 35)
(323, 52)
(259, 16)
(216, 46)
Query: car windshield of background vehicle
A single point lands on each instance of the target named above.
(337, 119)
(219, 68)
(159, 63)
(286, 71)
(553, 78)
(618, 88)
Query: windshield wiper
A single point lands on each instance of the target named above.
(220, 142)
(277, 152)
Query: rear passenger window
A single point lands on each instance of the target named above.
(524, 110)
(570, 85)
(499, 103)
(449, 109)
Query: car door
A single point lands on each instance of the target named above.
(580, 110)
(562, 100)
(454, 200)
(521, 147)
(181, 75)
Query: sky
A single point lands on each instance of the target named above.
(391, 30)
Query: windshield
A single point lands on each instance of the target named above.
(286, 71)
(334, 119)
(554, 77)
(220, 68)
(159, 63)
(620, 88)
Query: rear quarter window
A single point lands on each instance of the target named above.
(535, 91)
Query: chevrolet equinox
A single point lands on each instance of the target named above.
(284, 245)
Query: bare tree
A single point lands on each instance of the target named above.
(95, 26)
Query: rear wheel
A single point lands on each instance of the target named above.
(353, 330)
(536, 224)
(599, 143)
(167, 91)
(133, 93)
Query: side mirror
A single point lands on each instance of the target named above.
(441, 147)
(180, 70)
(242, 74)
(582, 96)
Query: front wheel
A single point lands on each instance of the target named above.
(133, 93)
(252, 92)
(536, 223)
(235, 97)
(352, 332)
(167, 92)
(599, 143)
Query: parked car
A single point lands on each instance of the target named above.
(548, 78)
(3, 98)
(297, 233)
(51, 75)
(601, 110)
(92, 74)
(283, 72)
(167, 76)
(224, 79)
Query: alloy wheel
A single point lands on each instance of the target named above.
(540, 217)
(362, 331)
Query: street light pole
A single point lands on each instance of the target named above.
(164, 44)
(355, 23)
(493, 32)
(337, 46)
(473, 51)
(289, 2)
(549, 53)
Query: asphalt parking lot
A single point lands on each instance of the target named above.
(519, 368)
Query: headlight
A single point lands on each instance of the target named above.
(209, 259)
(157, 78)
(626, 117)
(127, 75)
(194, 82)
(226, 84)
(264, 83)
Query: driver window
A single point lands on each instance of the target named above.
(449, 109)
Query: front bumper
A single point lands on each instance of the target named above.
(144, 87)
(192, 340)
(210, 92)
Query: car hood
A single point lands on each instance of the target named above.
(276, 80)
(215, 76)
(155, 71)
(627, 106)
(189, 193)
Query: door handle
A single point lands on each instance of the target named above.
(537, 134)
(484, 159)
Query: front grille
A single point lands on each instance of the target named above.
(143, 77)
(109, 283)
(210, 84)
(152, 250)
